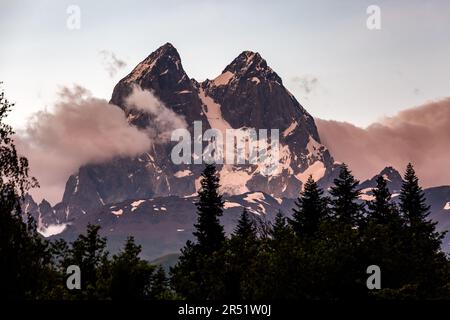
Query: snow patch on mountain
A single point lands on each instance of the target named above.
(256, 80)
(223, 79)
(316, 170)
(117, 212)
(255, 196)
(366, 197)
(228, 204)
(367, 190)
(447, 206)
(284, 163)
(141, 69)
(76, 184)
(213, 113)
(290, 129)
(52, 229)
(136, 204)
(233, 180)
(314, 148)
(183, 173)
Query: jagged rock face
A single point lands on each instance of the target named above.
(393, 181)
(162, 225)
(248, 94)
(251, 95)
(43, 213)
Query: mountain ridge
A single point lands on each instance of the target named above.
(247, 94)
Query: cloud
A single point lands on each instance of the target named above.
(420, 135)
(306, 83)
(82, 129)
(164, 120)
(111, 63)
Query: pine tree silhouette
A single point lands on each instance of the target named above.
(242, 250)
(426, 263)
(345, 192)
(384, 236)
(195, 275)
(245, 228)
(310, 210)
(209, 232)
(412, 202)
(381, 208)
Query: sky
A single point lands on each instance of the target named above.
(327, 57)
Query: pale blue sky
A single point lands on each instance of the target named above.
(362, 75)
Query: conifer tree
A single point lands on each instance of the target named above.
(89, 253)
(160, 285)
(280, 230)
(345, 192)
(413, 203)
(310, 210)
(240, 259)
(342, 249)
(416, 211)
(284, 262)
(209, 232)
(195, 275)
(384, 236)
(131, 277)
(427, 266)
(381, 208)
(245, 229)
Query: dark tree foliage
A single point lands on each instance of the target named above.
(24, 256)
(425, 261)
(384, 236)
(242, 248)
(133, 278)
(195, 275)
(310, 210)
(345, 195)
(89, 252)
(32, 268)
(245, 229)
(209, 231)
(324, 252)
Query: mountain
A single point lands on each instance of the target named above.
(248, 94)
(150, 197)
(167, 261)
(438, 198)
(162, 225)
(394, 183)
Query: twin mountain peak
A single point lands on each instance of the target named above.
(247, 94)
(151, 198)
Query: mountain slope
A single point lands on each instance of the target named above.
(150, 197)
(248, 94)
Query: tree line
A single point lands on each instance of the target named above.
(321, 251)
